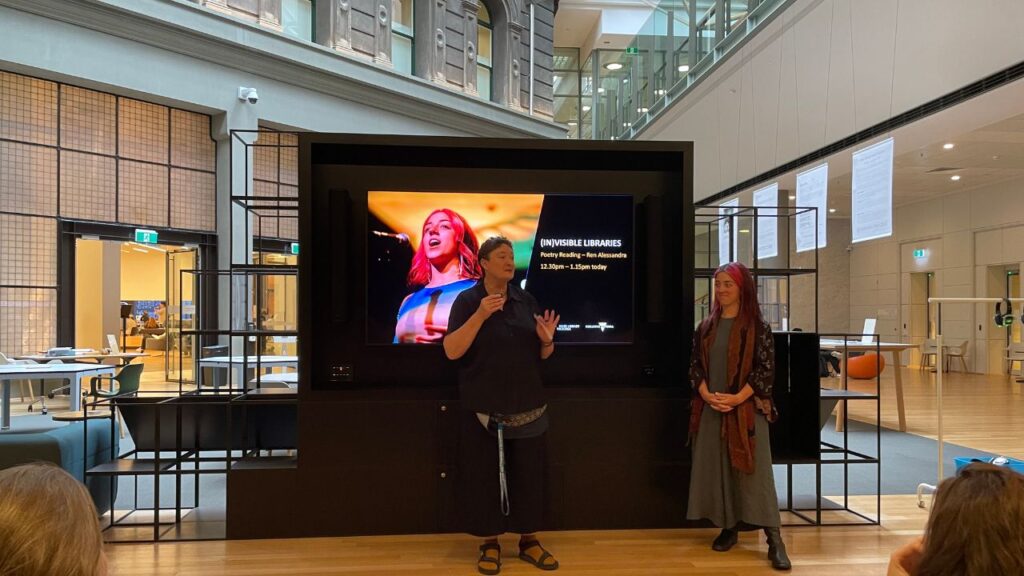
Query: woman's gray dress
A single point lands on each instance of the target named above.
(718, 491)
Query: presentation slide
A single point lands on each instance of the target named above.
(573, 253)
(872, 192)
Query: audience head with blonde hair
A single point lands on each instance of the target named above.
(48, 524)
(976, 527)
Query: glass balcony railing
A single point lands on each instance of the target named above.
(622, 91)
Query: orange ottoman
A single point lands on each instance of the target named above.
(865, 367)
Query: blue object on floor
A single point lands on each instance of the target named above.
(1015, 465)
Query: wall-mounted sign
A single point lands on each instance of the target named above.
(812, 192)
(919, 253)
(146, 236)
(767, 201)
(295, 247)
(872, 192)
(727, 234)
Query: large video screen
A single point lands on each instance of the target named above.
(573, 253)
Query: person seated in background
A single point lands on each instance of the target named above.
(151, 323)
(976, 527)
(48, 524)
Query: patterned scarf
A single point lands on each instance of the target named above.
(738, 424)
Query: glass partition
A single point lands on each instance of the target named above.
(623, 90)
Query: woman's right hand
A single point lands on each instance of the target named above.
(713, 401)
(489, 305)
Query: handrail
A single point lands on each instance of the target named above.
(639, 94)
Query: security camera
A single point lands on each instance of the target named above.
(248, 94)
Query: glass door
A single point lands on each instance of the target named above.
(181, 314)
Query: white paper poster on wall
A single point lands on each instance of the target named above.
(812, 192)
(725, 227)
(872, 192)
(767, 201)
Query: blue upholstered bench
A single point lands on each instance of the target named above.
(38, 438)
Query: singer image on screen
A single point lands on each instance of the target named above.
(732, 368)
(444, 265)
(499, 337)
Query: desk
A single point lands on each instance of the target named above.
(71, 372)
(856, 346)
(123, 358)
(241, 363)
(290, 379)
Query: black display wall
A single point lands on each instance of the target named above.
(378, 424)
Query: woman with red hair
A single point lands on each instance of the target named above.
(732, 368)
(444, 265)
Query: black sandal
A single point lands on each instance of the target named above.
(538, 563)
(489, 559)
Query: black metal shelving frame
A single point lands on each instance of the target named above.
(708, 219)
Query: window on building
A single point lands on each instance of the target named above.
(402, 35)
(484, 44)
(297, 19)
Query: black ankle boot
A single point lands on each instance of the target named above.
(726, 540)
(777, 550)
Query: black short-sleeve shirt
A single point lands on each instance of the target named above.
(500, 372)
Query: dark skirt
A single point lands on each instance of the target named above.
(478, 489)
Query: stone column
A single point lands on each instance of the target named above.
(439, 41)
(514, 92)
(342, 35)
(382, 34)
(469, 60)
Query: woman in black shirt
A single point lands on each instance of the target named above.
(498, 335)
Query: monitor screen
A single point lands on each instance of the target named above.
(573, 253)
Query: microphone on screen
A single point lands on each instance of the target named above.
(401, 238)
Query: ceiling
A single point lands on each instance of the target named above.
(987, 133)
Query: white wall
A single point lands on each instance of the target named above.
(825, 69)
(963, 235)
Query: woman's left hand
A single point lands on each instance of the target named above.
(732, 400)
(546, 325)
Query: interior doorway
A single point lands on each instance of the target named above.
(130, 296)
(923, 323)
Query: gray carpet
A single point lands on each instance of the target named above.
(907, 460)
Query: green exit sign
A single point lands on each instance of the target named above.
(632, 50)
(146, 236)
(918, 253)
(295, 247)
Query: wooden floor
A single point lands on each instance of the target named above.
(985, 412)
(839, 551)
(980, 411)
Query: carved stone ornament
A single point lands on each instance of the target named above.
(439, 38)
(470, 51)
(382, 14)
(344, 5)
(515, 68)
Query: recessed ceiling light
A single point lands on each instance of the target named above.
(744, 231)
(586, 108)
(954, 177)
(613, 66)
(600, 90)
(684, 68)
(792, 196)
(831, 210)
(948, 145)
(572, 124)
(625, 80)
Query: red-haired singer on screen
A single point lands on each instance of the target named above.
(443, 266)
(732, 369)
(499, 337)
